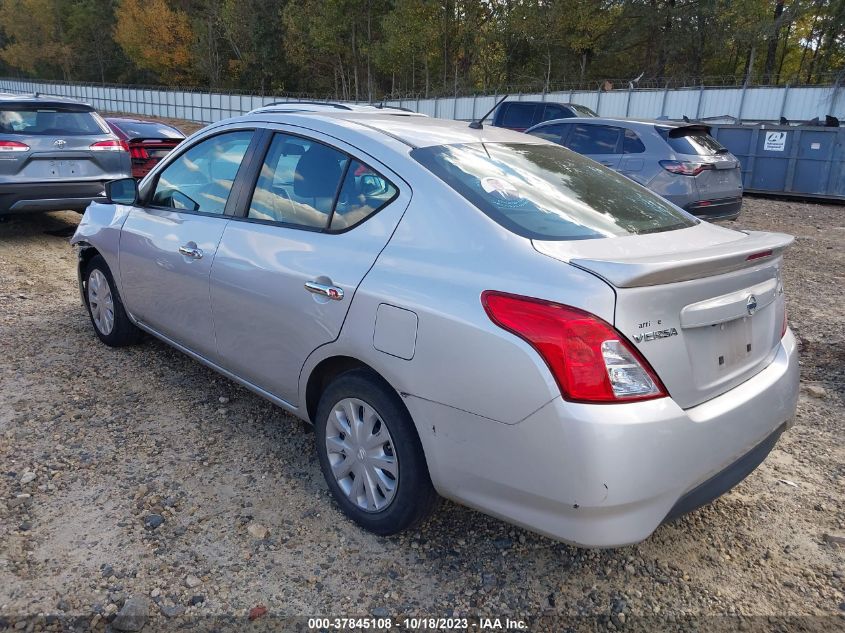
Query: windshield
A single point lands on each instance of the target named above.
(547, 192)
(50, 121)
(582, 110)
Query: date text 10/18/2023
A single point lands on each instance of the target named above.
(417, 624)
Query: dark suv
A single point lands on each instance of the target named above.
(521, 115)
(55, 154)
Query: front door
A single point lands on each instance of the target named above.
(168, 245)
(286, 272)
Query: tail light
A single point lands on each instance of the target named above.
(109, 146)
(13, 146)
(684, 168)
(589, 359)
(138, 152)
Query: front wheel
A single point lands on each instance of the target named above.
(371, 456)
(105, 308)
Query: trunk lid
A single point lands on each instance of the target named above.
(722, 177)
(704, 305)
(724, 180)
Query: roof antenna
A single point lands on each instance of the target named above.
(478, 124)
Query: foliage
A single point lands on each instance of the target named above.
(366, 49)
(156, 37)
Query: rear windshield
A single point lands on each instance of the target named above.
(50, 121)
(146, 129)
(696, 142)
(547, 192)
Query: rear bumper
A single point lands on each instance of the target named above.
(724, 209)
(608, 475)
(50, 196)
(725, 480)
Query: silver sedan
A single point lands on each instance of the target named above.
(469, 313)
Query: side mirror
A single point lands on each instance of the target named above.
(122, 191)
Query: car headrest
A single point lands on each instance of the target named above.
(317, 173)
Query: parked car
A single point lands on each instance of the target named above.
(477, 314)
(521, 115)
(55, 154)
(679, 161)
(148, 141)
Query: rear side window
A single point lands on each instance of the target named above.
(298, 183)
(364, 192)
(544, 192)
(306, 184)
(594, 139)
(632, 144)
(519, 115)
(693, 141)
(50, 122)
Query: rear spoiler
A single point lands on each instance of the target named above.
(652, 270)
(683, 130)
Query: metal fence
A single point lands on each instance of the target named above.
(800, 103)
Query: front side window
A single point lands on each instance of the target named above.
(544, 192)
(200, 179)
(554, 133)
(594, 139)
(556, 112)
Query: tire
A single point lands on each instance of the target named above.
(102, 299)
(392, 504)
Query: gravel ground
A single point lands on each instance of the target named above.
(140, 473)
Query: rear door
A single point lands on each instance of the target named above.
(602, 143)
(167, 246)
(632, 163)
(55, 142)
(287, 269)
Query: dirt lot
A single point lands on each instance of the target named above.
(96, 442)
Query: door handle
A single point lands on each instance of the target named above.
(192, 252)
(332, 292)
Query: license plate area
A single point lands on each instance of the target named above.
(733, 343)
(724, 351)
(63, 168)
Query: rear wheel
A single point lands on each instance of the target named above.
(105, 308)
(371, 456)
